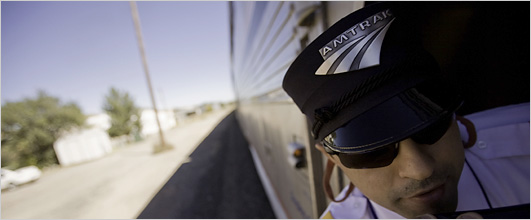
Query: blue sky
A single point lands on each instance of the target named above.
(77, 51)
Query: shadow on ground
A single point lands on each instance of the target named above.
(220, 181)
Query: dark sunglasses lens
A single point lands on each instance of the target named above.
(434, 132)
(379, 158)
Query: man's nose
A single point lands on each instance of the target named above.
(414, 162)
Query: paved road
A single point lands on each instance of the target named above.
(118, 186)
(220, 181)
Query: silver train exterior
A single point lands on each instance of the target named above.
(265, 38)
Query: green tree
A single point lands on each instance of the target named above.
(30, 127)
(125, 116)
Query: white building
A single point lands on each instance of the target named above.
(101, 120)
(149, 122)
(82, 145)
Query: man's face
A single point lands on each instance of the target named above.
(421, 179)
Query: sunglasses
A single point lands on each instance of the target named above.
(385, 155)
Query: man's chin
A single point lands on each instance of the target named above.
(414, 211)
(419, 212)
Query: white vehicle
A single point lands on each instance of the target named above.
(11, 179)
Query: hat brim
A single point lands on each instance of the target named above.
(394, 120)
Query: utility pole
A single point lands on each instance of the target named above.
(136, 20)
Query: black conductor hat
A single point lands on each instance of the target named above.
(367, 82)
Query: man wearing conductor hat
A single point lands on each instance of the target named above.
(381, 110)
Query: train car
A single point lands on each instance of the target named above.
(482, 45)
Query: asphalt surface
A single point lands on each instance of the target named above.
(220, 181)
(116, 186)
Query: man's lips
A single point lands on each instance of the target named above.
(429, 195)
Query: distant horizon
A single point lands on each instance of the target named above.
(77, 51)
(63, 101)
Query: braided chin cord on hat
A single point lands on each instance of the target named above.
(322, 116)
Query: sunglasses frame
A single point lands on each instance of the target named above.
(393, 146)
